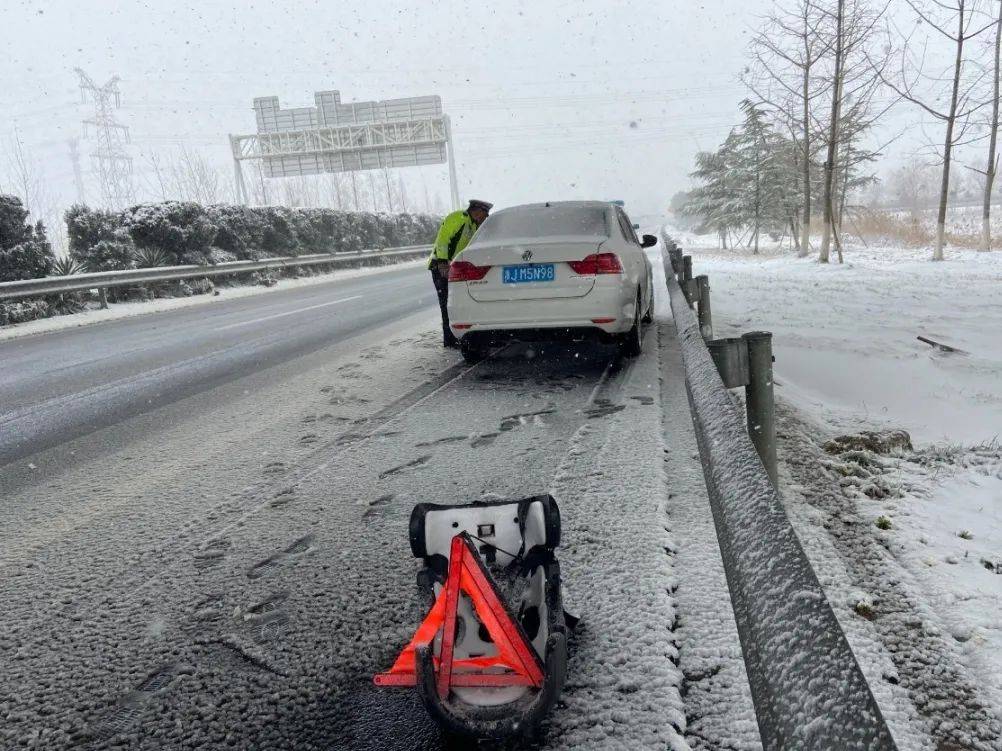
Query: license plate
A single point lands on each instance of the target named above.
(528, 272)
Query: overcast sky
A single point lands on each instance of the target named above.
(549, 100)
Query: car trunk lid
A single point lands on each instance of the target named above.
(513, 253)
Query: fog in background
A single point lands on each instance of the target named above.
(549, 100)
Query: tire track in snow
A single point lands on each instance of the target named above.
(252, 502)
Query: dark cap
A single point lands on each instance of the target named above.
(476, 203)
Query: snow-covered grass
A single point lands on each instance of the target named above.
(918, 228)
(129, 309)
(907, 543)
(845, 335)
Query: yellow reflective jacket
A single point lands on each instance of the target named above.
(453, 236)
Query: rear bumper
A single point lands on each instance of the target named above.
(604, 312)
(563, 334)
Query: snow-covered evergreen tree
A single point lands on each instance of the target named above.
(749, 183)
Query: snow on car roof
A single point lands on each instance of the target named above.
(559, 204)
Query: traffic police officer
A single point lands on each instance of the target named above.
(454, 235)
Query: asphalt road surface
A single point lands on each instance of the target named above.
(203, 516)
(67, 383)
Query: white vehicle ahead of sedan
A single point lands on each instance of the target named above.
(561, 270)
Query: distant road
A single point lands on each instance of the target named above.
(58, 386)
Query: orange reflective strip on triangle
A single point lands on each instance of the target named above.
(506, 635)
(468, 575)
(424, 635)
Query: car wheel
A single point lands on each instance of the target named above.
(633, 340)
(470, 351)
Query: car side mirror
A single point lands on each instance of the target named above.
(648, 241)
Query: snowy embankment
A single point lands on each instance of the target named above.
(908, 539)
(130, 309)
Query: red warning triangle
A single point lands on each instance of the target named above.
(515, 654)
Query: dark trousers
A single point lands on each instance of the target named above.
(441, 283)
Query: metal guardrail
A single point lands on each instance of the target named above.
(808, 690)
(741, 361)
(52, 285)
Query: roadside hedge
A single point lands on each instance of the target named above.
(182, 232)
(25, 252)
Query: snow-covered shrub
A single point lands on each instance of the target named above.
(98, 241)
(109, 255)
(22, 311)
(279, 235)
(181, 229)
(877, 442)
(185, 232)
(201, 286)
(239, 230)
(25, 252)
(218, 255)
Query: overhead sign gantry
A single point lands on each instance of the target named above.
(335, 136)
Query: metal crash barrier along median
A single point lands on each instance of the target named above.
(808, 690)
(102, 280)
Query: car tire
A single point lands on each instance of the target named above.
(633, 340)
(470, 351)
(649, 315)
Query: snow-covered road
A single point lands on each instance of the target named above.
(229, 568)
(69, 382)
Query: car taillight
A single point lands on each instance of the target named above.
(597, 263)
(464, 271)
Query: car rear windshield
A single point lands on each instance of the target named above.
(545, 222)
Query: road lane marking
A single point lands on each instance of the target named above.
(287, 313)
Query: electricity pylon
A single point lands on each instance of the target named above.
(112, 161)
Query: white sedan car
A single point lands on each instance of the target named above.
(561, 270)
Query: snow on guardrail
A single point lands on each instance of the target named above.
(53, 285)
(808, 690)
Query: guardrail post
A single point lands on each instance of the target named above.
(686, 278)
(703, 309)
(103, 293)
(759, 402)
(731, 358)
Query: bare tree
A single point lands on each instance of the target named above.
(390, 204)
(910, 186)
(786, 52)
(197, 179)
(859, 114)
(851, 75)
(332, 182)
(186, 176)
(25, 174)
(991, 169)
(836, 99)
(957, 117)
(159, 171)
(354, 190)
(372, 189)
